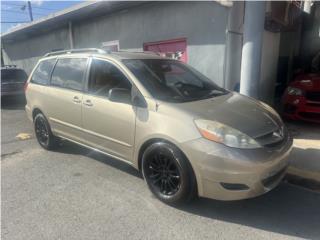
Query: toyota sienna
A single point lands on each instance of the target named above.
(188, 136)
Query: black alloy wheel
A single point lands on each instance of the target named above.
(168, 173)
(43, 132)
(164, 173)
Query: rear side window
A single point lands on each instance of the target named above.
(42, 73)
(69, 73)
(13, 75)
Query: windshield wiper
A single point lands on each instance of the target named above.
(215, 93)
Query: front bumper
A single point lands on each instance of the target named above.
(225, 173)
(299, 108)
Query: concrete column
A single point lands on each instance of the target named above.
(252, 46)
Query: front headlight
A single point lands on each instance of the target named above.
(294, 91)
(218, 132)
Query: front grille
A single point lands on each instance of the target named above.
(290, 109)
(313, 96)
(313, 104)
(269, 181)
(310, 115)
(273, 139)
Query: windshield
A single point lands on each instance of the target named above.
(172, 81)
(13, 75)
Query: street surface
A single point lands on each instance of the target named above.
(74, 193)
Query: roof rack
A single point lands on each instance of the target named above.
(80, 50)
(145, 52)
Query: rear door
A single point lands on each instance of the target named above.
(108, 126)
(64, 97)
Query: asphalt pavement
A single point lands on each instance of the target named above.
(74, 193)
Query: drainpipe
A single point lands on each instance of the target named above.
(70, 34)
(252, 47)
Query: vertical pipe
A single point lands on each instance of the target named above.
(252, 47)
(70, 34)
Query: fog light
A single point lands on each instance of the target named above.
(234, 186)
(296, 101)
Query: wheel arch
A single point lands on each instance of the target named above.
(151, 141)
(35, 111)
(147, 144)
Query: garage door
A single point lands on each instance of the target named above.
(174, 48)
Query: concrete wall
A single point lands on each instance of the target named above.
(26, 53)
(203, 24)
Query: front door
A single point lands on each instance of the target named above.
(108, 126)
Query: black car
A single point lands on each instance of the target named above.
(12, 81)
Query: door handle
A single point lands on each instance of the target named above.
(76, 99)
(88, 103)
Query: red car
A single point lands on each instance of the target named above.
(301, 100)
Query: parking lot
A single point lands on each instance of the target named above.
(74, 193)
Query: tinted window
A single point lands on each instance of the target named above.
(13, 75)
(69, 73)
(172, 81)
(42, 74)
(105, 76)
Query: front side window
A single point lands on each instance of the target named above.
(105, 76)
(172, 81)
(69, 73)
(42, 73)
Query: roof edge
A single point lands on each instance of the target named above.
(49, 17)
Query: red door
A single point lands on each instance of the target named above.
(175, 48)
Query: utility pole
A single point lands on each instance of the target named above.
(30, 11)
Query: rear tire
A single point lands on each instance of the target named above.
(43, 133)
(168, 173)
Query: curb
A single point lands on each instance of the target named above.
(314, 176)
(303, 178)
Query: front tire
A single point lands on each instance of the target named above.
(168, 173)
(43, 133)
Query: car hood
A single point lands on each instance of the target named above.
(237, 111)
(309, 82)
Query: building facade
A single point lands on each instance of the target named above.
(200, 27)
(211, 36)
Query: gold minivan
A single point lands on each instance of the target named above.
(188, 136)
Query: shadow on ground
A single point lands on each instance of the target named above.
(67, 147)
(13, 102)
(288, 209)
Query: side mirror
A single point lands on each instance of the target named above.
(121, 95)
(139, 101)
